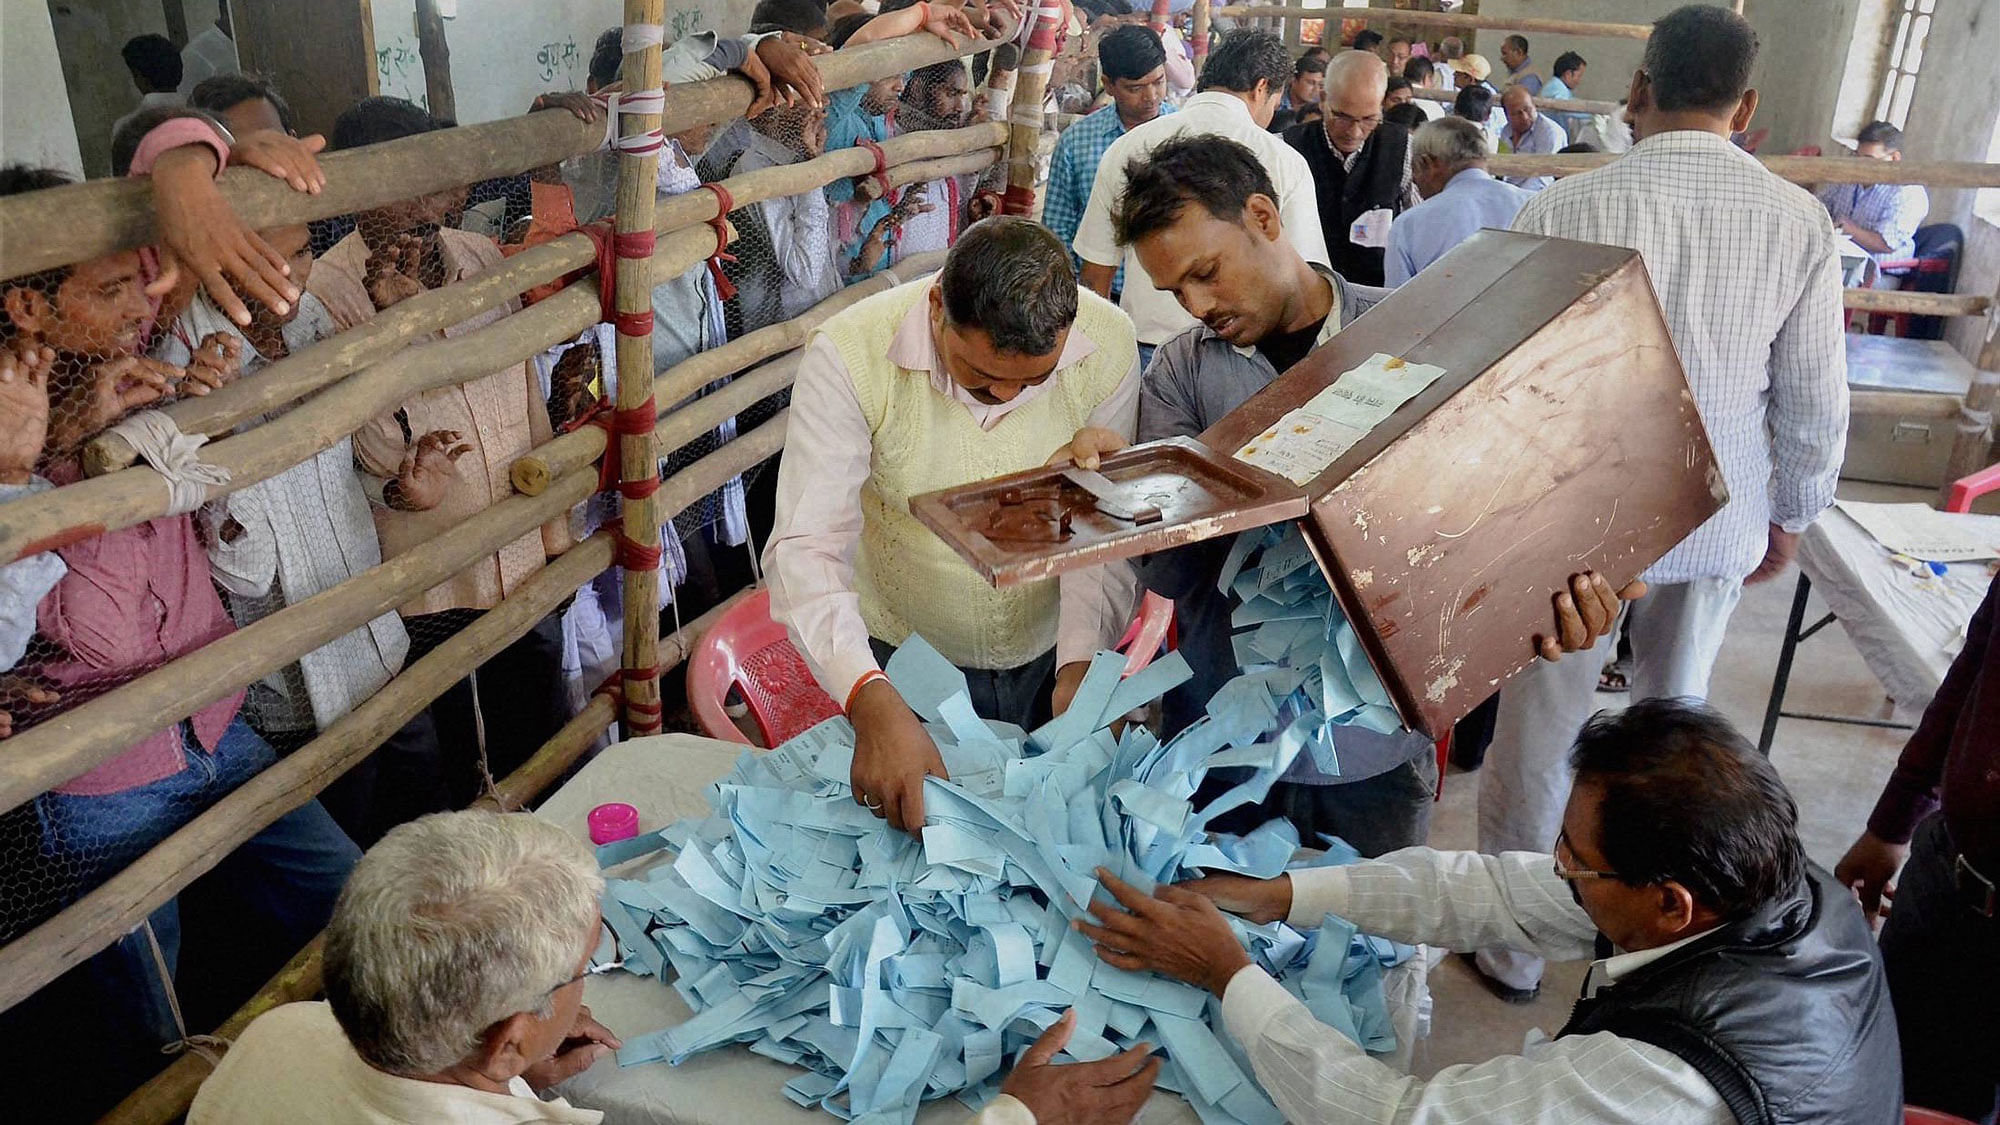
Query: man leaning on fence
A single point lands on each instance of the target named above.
(997, 365)
(125, 602)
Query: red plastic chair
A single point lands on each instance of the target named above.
(1918, 1115)
(1966, 489)
(748, 651)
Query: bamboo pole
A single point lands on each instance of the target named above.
(73, 741)
(1441, 20)
(51, 519)
(1920, 304)
(123, 901)
(166, 1096)
(837, 164)
(296, 376)
(1547, 105)
(1025, 116)
(1972, 446)
(1797, 169)
(562, 455)
(1202, 18)
(436, 54)
(638, 454)
(706, 413)
(81, 221)
(923, 171)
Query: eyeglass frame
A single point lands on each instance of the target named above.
(1576, 874)
(1367, 125)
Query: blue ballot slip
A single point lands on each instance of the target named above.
(896, 969)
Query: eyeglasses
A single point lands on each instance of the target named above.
(1364, 124)
(1573, 874)
(587, 973)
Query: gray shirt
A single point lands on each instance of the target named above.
(1193, 380)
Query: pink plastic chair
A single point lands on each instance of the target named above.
(1965, 489)
(1918, 1115)
(748, 651)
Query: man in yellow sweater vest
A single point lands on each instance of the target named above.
(999, 363)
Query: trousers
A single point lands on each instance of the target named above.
(1676, 630)
(1943, 963)
(1018, 695)
(289, 873)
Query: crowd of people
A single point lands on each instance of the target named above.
(1199, 235)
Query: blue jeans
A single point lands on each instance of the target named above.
(289, 873)
(1145, 357)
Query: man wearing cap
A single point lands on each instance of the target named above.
(1360, 165)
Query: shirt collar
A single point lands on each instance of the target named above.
(1467, 174)
(1328, 329)
(1622, 965)
(1219, 98)
(913, 348)
(1686, 141)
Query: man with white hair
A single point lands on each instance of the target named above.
(454, 981)
(454, 966)
(1449, 168)
(1360, 165)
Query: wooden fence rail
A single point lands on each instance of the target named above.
(59, 226)
(1445, 21)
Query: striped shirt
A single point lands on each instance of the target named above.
(1891, 210)
(1745, 268)
(1073, 169)
(1459, 900)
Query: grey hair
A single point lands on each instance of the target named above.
(1451, 141)
(450, 924)
(1357, 67)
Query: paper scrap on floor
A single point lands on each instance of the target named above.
(896, 970)
(1307, 439)
(1922, 532)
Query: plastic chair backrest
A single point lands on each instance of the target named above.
(1918, 1115)
(1149, 629)
(1965, 489)
(748, 651)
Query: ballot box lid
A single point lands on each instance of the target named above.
(1550, 431)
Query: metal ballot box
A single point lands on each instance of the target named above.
(1514, 415)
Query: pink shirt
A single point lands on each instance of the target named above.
(134, 599)
(809, 563)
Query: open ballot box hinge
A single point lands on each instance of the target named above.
(1513, 415)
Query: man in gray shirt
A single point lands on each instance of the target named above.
(1202, 216)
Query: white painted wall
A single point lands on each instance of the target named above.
(505, 52)
(35, 125)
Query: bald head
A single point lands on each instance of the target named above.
(1520, 108)
(1352, 100)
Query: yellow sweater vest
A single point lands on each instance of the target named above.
(909, 580)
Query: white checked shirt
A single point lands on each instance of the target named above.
(1459, 900)
(1745, 267)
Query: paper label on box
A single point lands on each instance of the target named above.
(1308, 439)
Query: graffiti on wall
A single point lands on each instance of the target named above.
(560, 61)
(399, 69)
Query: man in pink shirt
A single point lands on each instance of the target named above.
(131, 601)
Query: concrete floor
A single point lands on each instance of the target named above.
(1834, 772)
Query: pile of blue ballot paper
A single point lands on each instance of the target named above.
(896, 970)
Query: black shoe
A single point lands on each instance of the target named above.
(1501, 989)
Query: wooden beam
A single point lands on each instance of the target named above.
(1797, 169)
(123, 901)
(638, 452)
(51, 519)
(1335, 16)
(1972, 445)
(1202, 18)
(82, 221)
(73, 741)
(433, 48)
(1920, 304)
(1025, 117)
(1549, 105)
(218, 413)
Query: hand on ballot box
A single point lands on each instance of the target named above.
(1089, 445)
(1584, 613)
